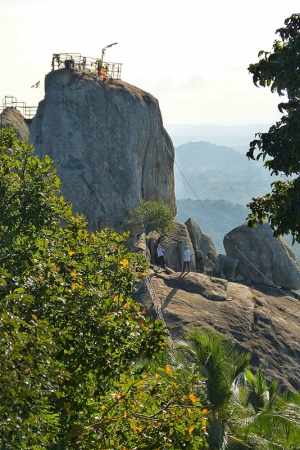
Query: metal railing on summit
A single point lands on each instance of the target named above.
(10, 101)
(76, 61)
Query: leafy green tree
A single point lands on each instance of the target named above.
(280, 146)
(155, 407)
(152, 216)
(68, 324)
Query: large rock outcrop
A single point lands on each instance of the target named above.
(12, 116)
(205, 251)
(263, 259)
(261, 319)
(108, 143)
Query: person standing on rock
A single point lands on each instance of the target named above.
(160, 255)
(186, 259)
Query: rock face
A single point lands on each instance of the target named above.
(109, 145)
(111, 151)
(262, 320)
(174, 243)
(205, 251)
(263, 259)
(226, 267)
(12, 116)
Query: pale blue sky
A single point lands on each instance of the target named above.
(191, 55)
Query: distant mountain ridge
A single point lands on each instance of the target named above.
(235, 136)
(224, 181)
(218, 172)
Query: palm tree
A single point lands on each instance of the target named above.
(272, 417)
(221, 365)
(245, 411)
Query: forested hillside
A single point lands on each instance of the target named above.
(213, 186)
(218, 172)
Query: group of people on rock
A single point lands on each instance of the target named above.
(100, 70)
(186, 258)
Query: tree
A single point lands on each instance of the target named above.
(71, 337)
(244, 411)
(157, 406)
(68, 324)
(152, 216)
(267, 418)
(280, 146)
(220, 364)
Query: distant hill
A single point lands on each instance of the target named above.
(218, 172)
(235, 136)
(214, 183)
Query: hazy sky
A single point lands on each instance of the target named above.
(192, 55)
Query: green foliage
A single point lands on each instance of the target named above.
(71, 336)
(245, 412)
(220, 364)
(280, 146)
(268, 418)
(68, 324)
(155, 407)
(152, 216)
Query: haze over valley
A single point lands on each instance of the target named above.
(214, 180)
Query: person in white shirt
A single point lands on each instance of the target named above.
(186, 259)
(160, 255)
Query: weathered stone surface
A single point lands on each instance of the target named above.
(226, 267)
(206, 266)
(199, 255)
(141, 247)
(109, 145)
(203, 251)
(210, 288)
(12, 116)
(201, 241)
(263, 259)
(272, 334)
(194, 232)
(152, 241)
(174, 243)
(208, 247)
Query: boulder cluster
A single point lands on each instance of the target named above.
(253, 254)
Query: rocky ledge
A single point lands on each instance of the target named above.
(259, 319)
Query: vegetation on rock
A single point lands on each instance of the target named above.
(152, 216)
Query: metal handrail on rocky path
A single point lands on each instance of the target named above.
(159, 313)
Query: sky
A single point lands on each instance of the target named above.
(192, 55)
